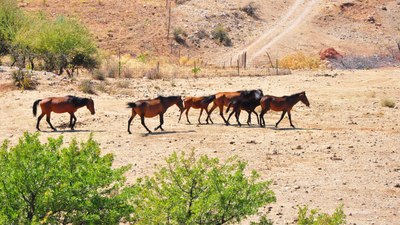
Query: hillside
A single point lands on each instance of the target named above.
(352, 27)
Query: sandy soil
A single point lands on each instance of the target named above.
(345, 148)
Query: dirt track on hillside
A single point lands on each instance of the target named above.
(345, 148)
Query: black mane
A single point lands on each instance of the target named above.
(77, 101)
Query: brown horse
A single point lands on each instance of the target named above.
(153, 107)
(197, 103)
(223, 99)
(69, 104)
(248, 101)
(284, 104)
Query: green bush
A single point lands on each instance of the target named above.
(51, 184)
(221, 35)
(10, 22)
(199, 191)
(337, 218)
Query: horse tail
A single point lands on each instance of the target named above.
(131, 104)
(35, 106)
(208, 99)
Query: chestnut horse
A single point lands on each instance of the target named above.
(284, 104)
(248, 101)
(153, 107)
(69, 104)
(197, 103)
(223, 99)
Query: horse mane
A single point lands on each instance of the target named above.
(164, 97)
(77, 101)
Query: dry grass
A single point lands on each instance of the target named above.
(386, 102)
(86, 86)
(299, 60)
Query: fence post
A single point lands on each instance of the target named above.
(277, 66)
(244, 60)
(158, 67)
(238, 66)
(169, 19)
(119, 62)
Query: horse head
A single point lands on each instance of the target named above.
(304, 99)
(90, 106)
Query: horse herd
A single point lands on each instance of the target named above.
(246, 100)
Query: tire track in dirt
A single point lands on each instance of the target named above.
(296, 14)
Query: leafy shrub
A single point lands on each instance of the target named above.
(299, 60)
(221, 35)
(51, 184)
(11, 18)
(190, 190)
(337, 218)
(388, 103)
(86, 86)
(263, 221)
(23, 80)
(143, 58)
(196, 70)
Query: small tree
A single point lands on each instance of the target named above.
(337, 218)
(10, 23)
(203, 191)
(49, 184)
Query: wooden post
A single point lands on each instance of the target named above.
(169, 19)
(244, 60)
(158, 67)
(238, 66)
(277, 66)
(119, 62)
(270, 61)
(230, 65)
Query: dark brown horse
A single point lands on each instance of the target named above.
(284, 104)
(248, 101)
(197, 103)
(153, 107)
(223, 99)
(65, 104)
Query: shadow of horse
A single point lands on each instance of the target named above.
(167, 132)
(75, 131)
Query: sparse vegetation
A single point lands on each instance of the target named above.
(86, 86)
(23, 80)
(221, 35)
(152, 74)
(189, 190)
(299, 60)
(364, 62)
(179, 35)
(337, 218)
(98, 74)
(196, 70)
(123, 84)
(250, 9)
(386, 102)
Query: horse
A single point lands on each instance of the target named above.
(248, 101)
(284, 104)
(153, 107)
(69, 104)
(223, 99)
(197, 103)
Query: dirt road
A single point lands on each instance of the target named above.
(345, 148)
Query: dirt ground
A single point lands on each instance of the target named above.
(345, 148)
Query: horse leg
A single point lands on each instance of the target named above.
(130, 120)
(74, 122)
(187, 115)
(38, 121)
(142, 121)
(161, 122)
(201, 112)
(258, 121)
(283, 114)
(180, 116)
(48, 121)
(237, 114)
(208, 118)
(290, 119)
(221, 113)
(248, 117)
(227, 123)
(210, 111)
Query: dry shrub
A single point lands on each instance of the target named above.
(152, 74)
(123, 84)
(299, 60)
(86, 86)
(386, 102)
(128, 72)
(98, 74)
(251, 10)
(23, 80)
